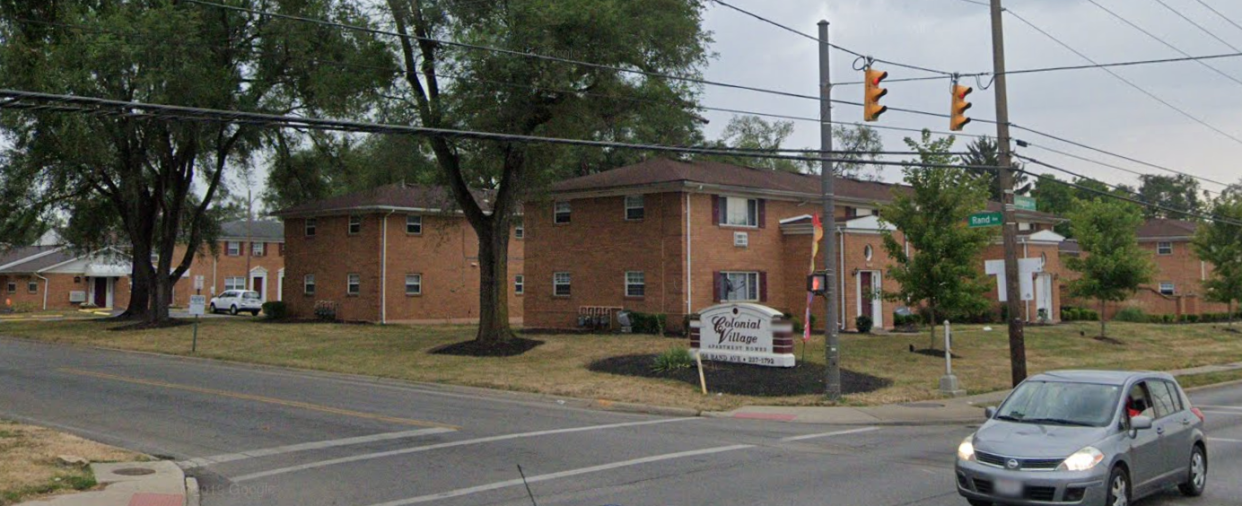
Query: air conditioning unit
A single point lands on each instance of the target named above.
(77, 296)
(741, 239)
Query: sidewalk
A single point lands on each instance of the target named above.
(158, 483)
(946, 411)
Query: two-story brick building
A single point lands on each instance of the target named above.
(397, 253)
(249, 255)
(673, 237)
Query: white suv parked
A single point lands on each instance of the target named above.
(237, 301)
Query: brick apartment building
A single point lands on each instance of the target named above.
(396, 253)
(1177, 284)
(250, 255)
(54, 277)
(675, 237)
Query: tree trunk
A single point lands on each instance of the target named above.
(1103, 333)
(139, 284)
(493, 281)
(1231, 313)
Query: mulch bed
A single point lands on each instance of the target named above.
(742, 379)
(473, 348)
(1109, 340)
(932, 352)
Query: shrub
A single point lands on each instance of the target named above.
(648, 323)
(1089, 315)
(672, 360)
(797, 323)
(325, 310)
(863, 323)
(1168, 318)
(275, 310)
(1192, 318)
(1131, 314)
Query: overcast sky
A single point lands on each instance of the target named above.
(1087, 106)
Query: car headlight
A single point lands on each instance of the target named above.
(1082, 460)
(966, 450)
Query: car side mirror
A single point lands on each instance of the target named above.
(1140, 423)
(989, 412)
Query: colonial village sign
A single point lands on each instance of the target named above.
(743, 333)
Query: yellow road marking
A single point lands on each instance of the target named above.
(259, 398)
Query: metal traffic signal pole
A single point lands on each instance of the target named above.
(828, 195)
(1017, 338)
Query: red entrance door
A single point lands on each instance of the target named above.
(101, 292)
(258, 286)
(866, 304)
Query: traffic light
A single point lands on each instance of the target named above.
(871, 103)
(960, 105)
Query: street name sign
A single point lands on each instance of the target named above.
(743, 333)
(1024, 203)
(979, 220)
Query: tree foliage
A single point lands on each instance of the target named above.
(1179, 192)
(944, 266)
(1112, 266)
(1220, 244)
(983, 152)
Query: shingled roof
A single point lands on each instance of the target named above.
(394, 197)
(270, 230)
(1166, 229)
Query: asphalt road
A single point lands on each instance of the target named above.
(275, 437)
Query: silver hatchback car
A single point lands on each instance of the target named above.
(1085, 437)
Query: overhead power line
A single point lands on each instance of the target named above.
(794, 31)
(28, 100)
(1218, 13)
(1183, 212)
(1128, 82)
(1096, 162)
(1162, 41)
(1197, 25)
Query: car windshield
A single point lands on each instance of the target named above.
(1061, 403)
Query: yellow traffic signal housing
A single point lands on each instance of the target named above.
(871, 102)
(958, 118)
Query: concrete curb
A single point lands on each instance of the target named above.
(192, 495)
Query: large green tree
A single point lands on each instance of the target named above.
(1179, 192)
(943, 266)
(983, 152)
(752, 133)
(159, 177)
(1219, 243)
(1112, 266)
(449, 86)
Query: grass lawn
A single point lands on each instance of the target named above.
(559, 366)
(29, 466)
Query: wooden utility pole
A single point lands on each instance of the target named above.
(832, 345)
(1017, 337)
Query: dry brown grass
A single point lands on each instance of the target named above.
(559, 367)
(29, 466)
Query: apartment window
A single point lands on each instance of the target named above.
(231, 248)
(308, 284)
(868, 252)
(258, 249)
(234, 283)
(739, 286)
(1164, 248)
(519, 284)
(634, 207)
(739, 212)
(1024, 226)
(355, 225)
(12, 287)
(310, 227)
(560, 284)
(560, 215)
(413, 224)
(353, 284)
(635, 284)
(32, 287)
(413, 284)
(519, 230)
(1167, 288)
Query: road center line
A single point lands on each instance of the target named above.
(451, 444)
(259, 398)
(317, 445)
(1231, 408)
(1224, 440)
(562, 474)
(828, 434)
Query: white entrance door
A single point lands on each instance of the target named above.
(868, 290)
(1043, 295)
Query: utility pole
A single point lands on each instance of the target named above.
(1017, 337)
(827, 187)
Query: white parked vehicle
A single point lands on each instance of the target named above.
(237, 301)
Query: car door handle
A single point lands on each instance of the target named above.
(1185, 421)
(1160, 430)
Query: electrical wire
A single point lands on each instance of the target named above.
(1162, 41)
(1197, 25)
(1218, 13)
(1096, 162)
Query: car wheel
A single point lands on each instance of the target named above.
(213, 308)
(1118, 488)
(1196, 477)
(977, 502)
(233, 310)
(254, 313)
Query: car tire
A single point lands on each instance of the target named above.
(212, 309)
(978, 502)
(254, 313)
(233, 310)
(1118, 488)
(1196, 475)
